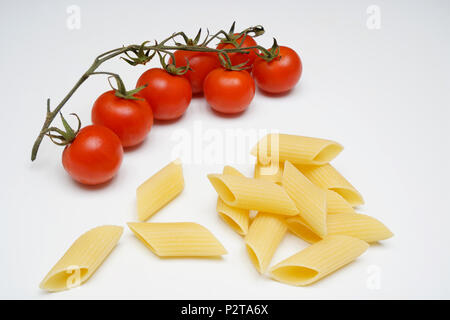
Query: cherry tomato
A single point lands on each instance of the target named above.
(94, 156)
(238, 58)
(201, 64)
(168, 95)
(279, 75)
(229, 91)
(130, 120)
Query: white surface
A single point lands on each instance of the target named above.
(384, 94)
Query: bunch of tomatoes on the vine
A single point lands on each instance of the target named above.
(225, 75)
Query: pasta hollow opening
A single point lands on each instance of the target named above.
(253, 258)
(303, 232)
(65, 279)
(142, 239)
(328, 153)
(295, 274)
(222, 189)
(352, 196)
(231, 223)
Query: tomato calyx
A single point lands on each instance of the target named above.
(272, 53)
(227, 65)
(63, 137)
(171, 67)
(121, 91)
(193, 42)
(232, 37)
(142, 56)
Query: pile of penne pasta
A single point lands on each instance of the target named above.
(294, 188)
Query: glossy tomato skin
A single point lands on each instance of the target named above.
(238, 58)
(130, 120)
(279, 75)
(168, 95)
(94, 157)
(201, 64)
(229, 91)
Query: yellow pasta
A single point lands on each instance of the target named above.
(272, 172)
(274, 148)
(309, 198)
(178, 239)
(358, 226)
(327, 177)
(264, 235)
(298, 226)
(318, 260)
(337, 204)
(355, 225)
(253, 194)
(236, 218)
(159, 189)
(82, 259)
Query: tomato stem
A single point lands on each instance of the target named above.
(141, 54)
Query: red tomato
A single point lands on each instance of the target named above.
(238, 58)
(201, 64)
(94, 156)
(131, 120)
(229, 91)
(169, 95)
(279, 75)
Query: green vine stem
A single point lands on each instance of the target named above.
(143, 54)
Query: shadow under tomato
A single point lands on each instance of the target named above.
(167, 122)
(93, 187)
(274, 95)
(226, 115)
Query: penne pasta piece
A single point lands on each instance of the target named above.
(159, 190)
(337, 204)
(177, 239)
(350, 224)
(271, 173)
(298, 226)
(236, 218)
(264, 235)
(253, 194)
(327, 177)
(309, 198)
(318, 260)
(82, 259)
(358, 226)
(274, 148)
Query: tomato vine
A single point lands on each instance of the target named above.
(141, 54)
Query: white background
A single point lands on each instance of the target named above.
(384, 94)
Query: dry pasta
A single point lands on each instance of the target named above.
(236, 218)
(309, 199)
(159, 189)
(274, 148)
(355, 225)
(318, 260)
(337, 204)
(253, 194)
(177, 239)
(271, 172)
(82, 259)
(264, 235)
(327, 177)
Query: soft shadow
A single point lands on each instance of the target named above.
(274, 95)
(167, 122)
(225, 115)
(93, 187)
